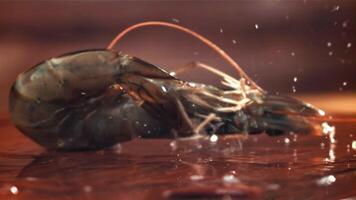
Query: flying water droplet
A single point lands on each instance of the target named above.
(349, 45)
(257, 26)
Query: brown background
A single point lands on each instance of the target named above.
(33, 31)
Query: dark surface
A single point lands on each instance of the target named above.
(261, 167)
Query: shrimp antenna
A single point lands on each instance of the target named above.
(210, 44)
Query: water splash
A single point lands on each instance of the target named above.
(326, 180)
(14, 190)
(230, 178)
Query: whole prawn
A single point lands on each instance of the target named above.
(94, 99)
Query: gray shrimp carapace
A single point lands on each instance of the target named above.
(97, 98)
(73, 102)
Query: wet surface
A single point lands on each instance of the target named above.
(308, 45)
(260, 167)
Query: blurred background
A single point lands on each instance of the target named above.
(298, 47)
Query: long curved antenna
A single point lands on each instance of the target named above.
(213, 46)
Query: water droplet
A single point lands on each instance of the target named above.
(353, 145)
(292, 54)
(256, 26)
(230, 178)
(344, 24)
(117, 148)
(349, 45)
(196, 177)
(295, 153)
(174, 145)
(326, 180)
(286, 141)
(60, 143)
(294, 90)
(234, 41)
(172, 73)
(328, 44)
(221, 30)
(199, 146)
(295, 79)
(214, 138)
(344, 83)
(87, 188)
(321, 112)
(295, 138)
(175, 20)
(336, 8)
(330, 53)
(164, 88)
(83, 93)
(322, 145)
(14, 190)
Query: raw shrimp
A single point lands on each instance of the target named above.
(94, 99)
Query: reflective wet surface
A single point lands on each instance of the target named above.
(286, 46)
(259, 167)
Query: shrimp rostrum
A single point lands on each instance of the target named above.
(94, 99)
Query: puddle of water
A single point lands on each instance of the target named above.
(286, 167)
